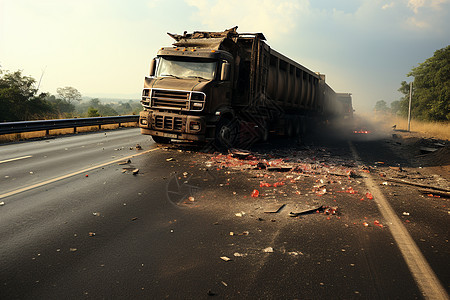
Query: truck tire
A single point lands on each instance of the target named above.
(161, 139)
(227, 132)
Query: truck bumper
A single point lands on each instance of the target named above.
(175, 126)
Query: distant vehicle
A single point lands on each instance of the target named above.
(231, 88)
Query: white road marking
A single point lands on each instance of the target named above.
(13, 159)
(27, 188)
(424, 276)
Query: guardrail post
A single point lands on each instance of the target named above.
(47, 132)
(74, 130)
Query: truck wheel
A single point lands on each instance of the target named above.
(227, 132)
(161, 139)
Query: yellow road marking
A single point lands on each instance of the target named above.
(27, 188)
(424, 276)
(13, 159)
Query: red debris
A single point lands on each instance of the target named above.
(369, 196)
(255, 193)
(377, 223)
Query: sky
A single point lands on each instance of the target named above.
(103, 48)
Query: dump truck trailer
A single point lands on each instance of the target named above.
(230, 88)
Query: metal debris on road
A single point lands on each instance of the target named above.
(125, 162)
(307, 211)
(274, 208)
(225, 258)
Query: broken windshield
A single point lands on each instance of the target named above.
(174, 67)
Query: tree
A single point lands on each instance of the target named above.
(381, 106)
(92, 112)
(395, 107)
(431, 88)
(18, 99)
(69, 94)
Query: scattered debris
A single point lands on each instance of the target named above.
(2, 203)
(97, 214)
(134, 219)
(125, 162)
(239, 214)
(224, 283)
(237, 254)
(91, 233)
(138, 147)
(398, 169)
(170, 159)
(135, 171)
(274, 208)
(418, 184)
(268, 250)
(406, 213)
(280, 168)
(426, 150)
(239, 153)
(243, 233)
(225, 258)
(307, 211)
(73, 249)
(438, 193)
(377, 223)
(255, 193)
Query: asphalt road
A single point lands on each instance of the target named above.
(75, 224)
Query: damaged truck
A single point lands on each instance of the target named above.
(232, 89)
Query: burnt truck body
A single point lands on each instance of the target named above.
(226, 86)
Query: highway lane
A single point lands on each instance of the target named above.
(147, 245)
(28, 163)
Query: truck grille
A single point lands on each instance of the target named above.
(173, 99)
(168, 123)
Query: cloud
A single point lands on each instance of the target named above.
(269, 16)
(415, 5)
(386, 6)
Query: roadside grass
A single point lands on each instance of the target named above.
(437, 130)
(14, 137)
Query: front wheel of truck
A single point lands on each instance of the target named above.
(227, 132)
(161, 139)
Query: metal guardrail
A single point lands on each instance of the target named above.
(28, 126)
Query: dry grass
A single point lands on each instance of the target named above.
(437, 130)
(37, 134)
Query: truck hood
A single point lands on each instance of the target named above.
(183, 84)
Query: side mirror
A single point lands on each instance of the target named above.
(225, 73)
(152, 67)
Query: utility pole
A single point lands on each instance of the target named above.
(409, 107)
